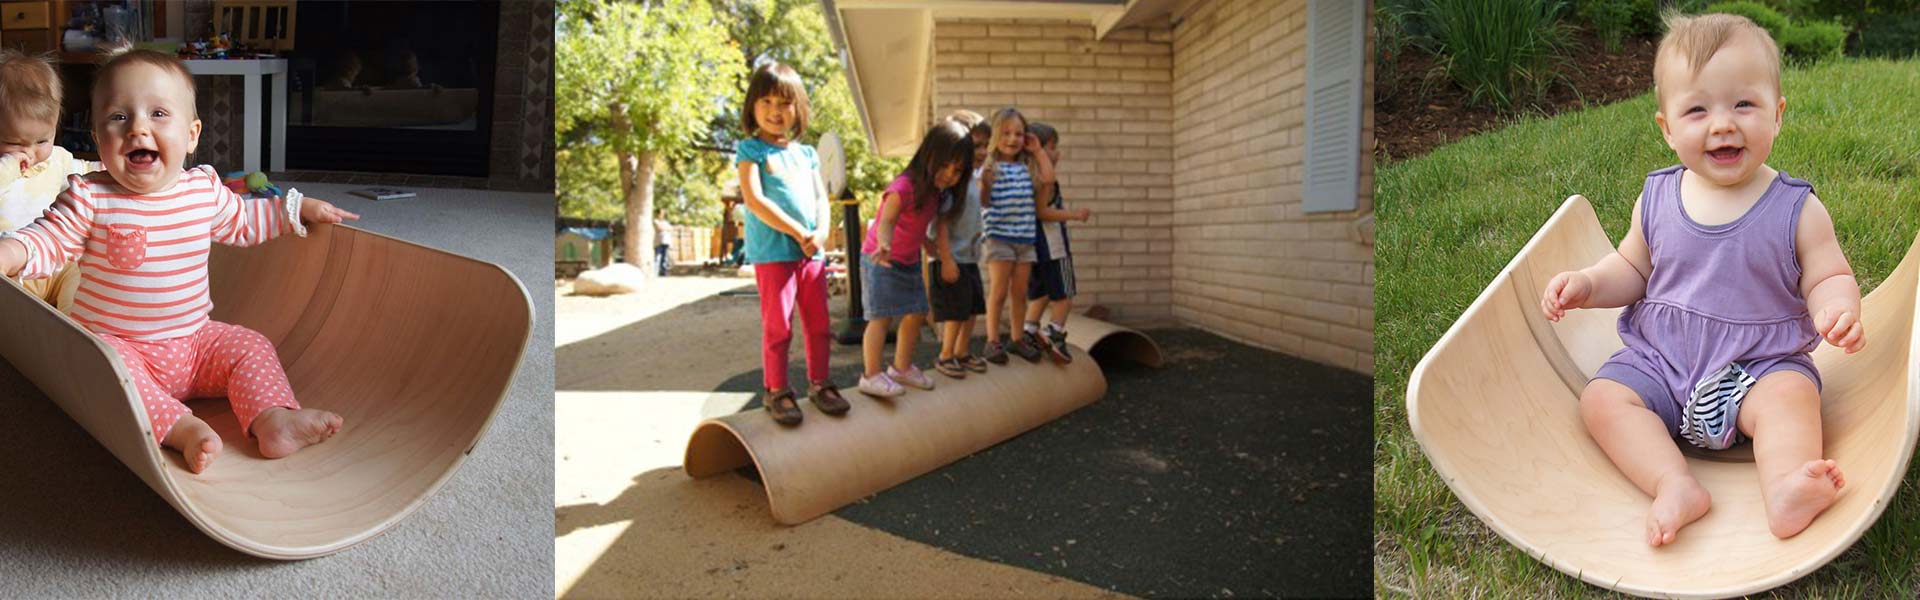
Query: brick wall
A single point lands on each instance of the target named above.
(1111, 100)
(1247, 261)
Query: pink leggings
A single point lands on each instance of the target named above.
(781, 285)
(218, 360)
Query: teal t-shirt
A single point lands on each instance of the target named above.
(787, 182)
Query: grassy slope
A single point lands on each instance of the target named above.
(1450, 220)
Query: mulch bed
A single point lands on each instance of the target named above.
(1423, 109)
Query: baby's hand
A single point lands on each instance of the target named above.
(16, 159)
(314, 210)
(1842, 328)
(1567, 290)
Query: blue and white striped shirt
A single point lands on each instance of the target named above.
(1010, 218)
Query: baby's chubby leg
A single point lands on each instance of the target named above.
(1782, 415)
(1638, 443)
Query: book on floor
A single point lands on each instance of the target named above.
(380, 193)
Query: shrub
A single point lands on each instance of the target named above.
(1804, 42)
(1767, 18)
(1613, 20)
(1896, 36)
(1503, 52)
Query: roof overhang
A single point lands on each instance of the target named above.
(886, 49)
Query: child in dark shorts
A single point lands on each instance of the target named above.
(956, 238)
(1052, 283)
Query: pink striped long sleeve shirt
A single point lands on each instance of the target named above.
(143, 257)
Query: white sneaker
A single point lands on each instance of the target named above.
(912, 377)
(880, 386)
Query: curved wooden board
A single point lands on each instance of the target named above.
(827, 462)
(413, 346)
(1494, 406)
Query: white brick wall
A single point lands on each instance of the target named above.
(1248, 263)
(1186, 142)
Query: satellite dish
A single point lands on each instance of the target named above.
(833, 164)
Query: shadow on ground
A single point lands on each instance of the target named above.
(1231, 471)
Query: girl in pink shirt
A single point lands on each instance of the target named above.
(890, 264)
(141, 232)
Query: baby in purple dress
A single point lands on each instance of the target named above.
(1730, 274)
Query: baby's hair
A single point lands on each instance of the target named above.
(775, 78)
(946, 143)
(1698, 37)
(29, 87)
(1046, 133)
(125, 56)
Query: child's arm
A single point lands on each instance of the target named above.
(1826, 280)
(943, 246)
(38, 249)
(757, 204)
(1048, 213)
(1043, 178)
(247, 221)
(889, 213)
(1618, 279)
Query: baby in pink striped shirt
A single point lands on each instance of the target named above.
(141, 231)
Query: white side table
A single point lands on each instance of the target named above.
(251, 70)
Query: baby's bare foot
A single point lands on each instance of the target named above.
(196, 441)
(283, 432)
(1678, 503)
(1797, 497)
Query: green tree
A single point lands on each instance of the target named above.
(641, 80)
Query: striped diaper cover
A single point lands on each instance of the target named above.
(1708, 419)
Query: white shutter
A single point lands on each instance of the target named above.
(1336, 49)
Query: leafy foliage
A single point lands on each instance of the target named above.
(1503, 52)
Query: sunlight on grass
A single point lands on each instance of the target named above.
(1450, 220)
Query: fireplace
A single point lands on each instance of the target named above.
(393, 87)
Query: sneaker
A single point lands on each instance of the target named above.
(973, 363)
(951, 367)
(1057, 345)
(827, 398)
(781, 405)
(880, 386)
(996, 353)
(1027, 349)
(912, 377)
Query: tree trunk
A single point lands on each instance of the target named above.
(636, 190)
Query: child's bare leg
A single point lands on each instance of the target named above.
(284, 431)
(998, 272)
(195, 440)
(1035, 308)
(1782, 415)
(964, 345)
(1060, 309)
(950, 340)
(872, 343)
(1639, 445)
(1018, 281)
(908, 337)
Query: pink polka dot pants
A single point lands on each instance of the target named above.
(220, 359)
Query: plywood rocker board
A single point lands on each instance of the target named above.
(827, 462)
(1495, 407)
(413, 346)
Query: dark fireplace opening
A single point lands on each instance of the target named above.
(393, 87)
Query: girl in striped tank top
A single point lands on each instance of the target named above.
(141, 231)
(1016, 176)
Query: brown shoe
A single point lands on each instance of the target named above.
(781, 405)
(827, 398)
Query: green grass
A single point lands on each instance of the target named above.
(1450, 220)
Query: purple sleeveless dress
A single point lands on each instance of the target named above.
(1720, 295)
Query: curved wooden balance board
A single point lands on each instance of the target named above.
(414, 347)
(827, 462)
(1495, 407)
